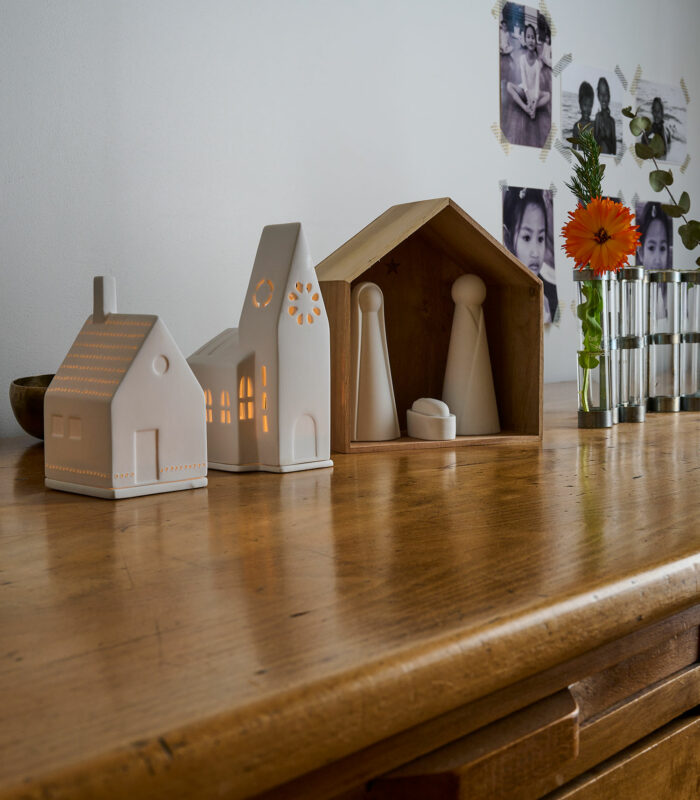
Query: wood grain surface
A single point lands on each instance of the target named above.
(222, 641)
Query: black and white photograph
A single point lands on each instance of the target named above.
(655, 249)
(593, 98)
(528, 226)
(525, 44)
(667, 109)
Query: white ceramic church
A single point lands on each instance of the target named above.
(267, 383)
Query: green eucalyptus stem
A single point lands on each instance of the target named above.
(673, 199)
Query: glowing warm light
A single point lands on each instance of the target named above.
(293, 297)
(300, 287)
(264, 375)
(241, 411)
(209, 415)
(241, 388)
(309, 287)
(250, 410)
(250, 388)
(317, 311)
(292, 310)
(228, 417)
(223, 416)
(265, 288)
(309, 319)
(300, 319)
(265, 424)
(314, 297)
(264, 400)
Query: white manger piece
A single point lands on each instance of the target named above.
(468, 389)
(374, 407)
(124, 415)
(430, 419)
(267, 382)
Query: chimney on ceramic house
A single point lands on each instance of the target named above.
(104, 292)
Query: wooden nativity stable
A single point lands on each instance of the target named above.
(414, 252)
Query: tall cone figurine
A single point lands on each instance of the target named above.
(374, 407)
(468, 388)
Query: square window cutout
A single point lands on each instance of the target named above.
(75, 428)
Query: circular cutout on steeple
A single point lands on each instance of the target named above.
(262, 296)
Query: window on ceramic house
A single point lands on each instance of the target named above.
(208, 401)
(246, 408)
(225, 415)
(264, 401)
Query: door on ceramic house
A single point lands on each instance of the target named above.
(146, 455)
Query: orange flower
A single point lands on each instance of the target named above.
(601, 235)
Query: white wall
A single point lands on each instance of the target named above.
(152, 139)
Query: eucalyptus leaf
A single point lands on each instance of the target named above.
(643, 151)
(690, 234)
(658, 145)
(627, 112)
(640, 125)
(684, 202)
(660, 178)
(672, 210)
(697, 261)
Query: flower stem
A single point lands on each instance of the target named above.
(584, 388)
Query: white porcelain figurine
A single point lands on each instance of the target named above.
(468, 388)
(374, 408)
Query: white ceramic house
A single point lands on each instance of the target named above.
(124, 415)
(267, 382)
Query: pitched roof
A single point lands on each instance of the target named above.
(101, 355)
(222, 348)
(443, 222)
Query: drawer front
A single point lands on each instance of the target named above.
(664, 766)
(542, 747)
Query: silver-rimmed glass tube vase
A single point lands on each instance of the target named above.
(690, 341)
(594, 374)
(593, 356)
(632, 345)
(613, 309)
(664, 340)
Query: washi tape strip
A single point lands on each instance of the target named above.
(544, 152)
(545, 13)
(620, 155)
(635, 80)
(553, 189)
(635, 200)
(563, 150)
(684, 165)
(502, 185)
(684, 88)
(497, 8)
(562, 64)
(498, 133)
(621, 76)
(622, 197)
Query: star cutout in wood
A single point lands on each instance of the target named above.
(393, 266)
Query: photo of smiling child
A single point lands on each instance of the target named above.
(528, 234)
(525, 45)
(655, 249)
(600, 107)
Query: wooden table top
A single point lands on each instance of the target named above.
(272, 623)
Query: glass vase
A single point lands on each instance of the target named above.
(595, 391)
(594, 396)
(664, 341)
(632, 345)
(690, 341)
